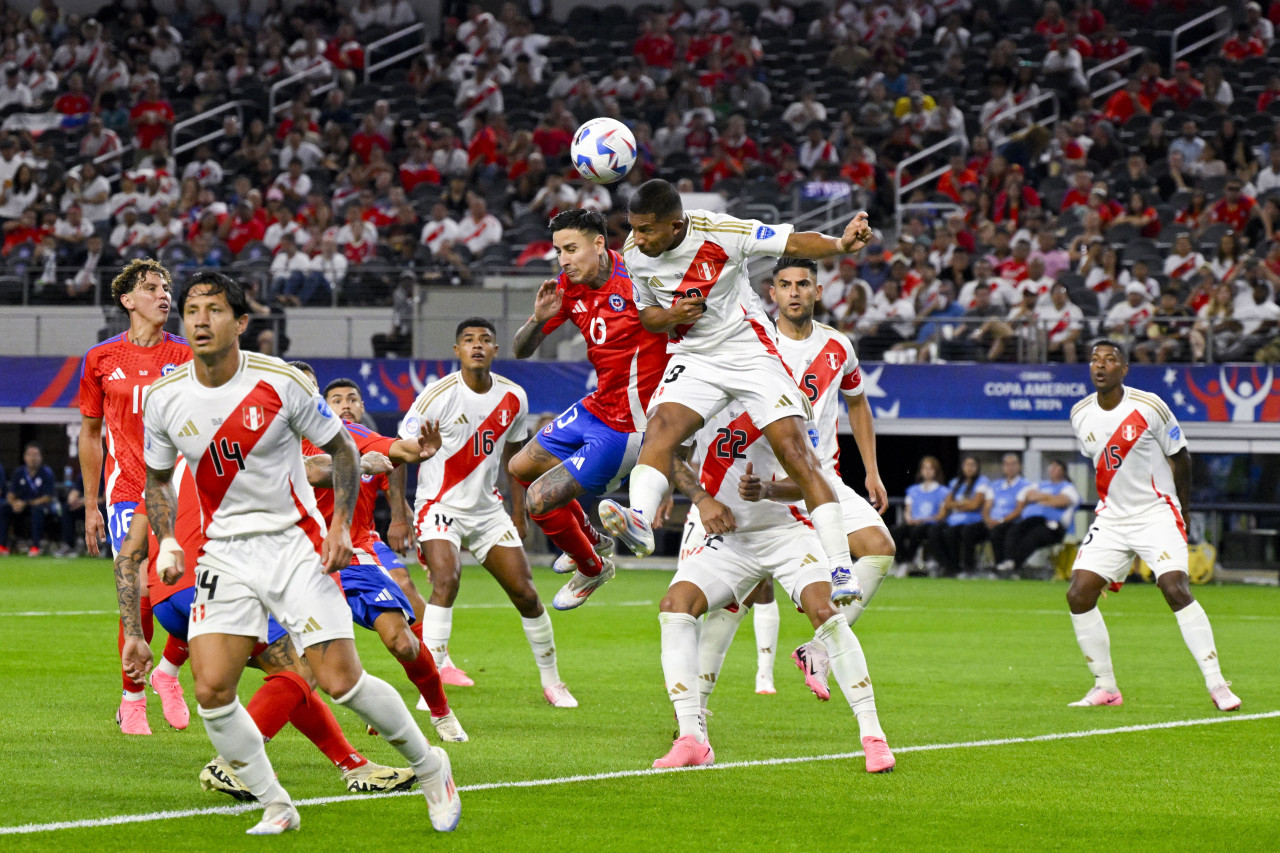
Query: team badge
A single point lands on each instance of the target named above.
(504, 417)
(833, 361)
(323, 408)
(1129, 432)
(254, 417)
(706, 270)
(167, 369)
(764, 232)
(412, 425)
(616, 302)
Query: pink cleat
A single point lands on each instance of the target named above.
(1223, 698)
(454, 677)
(815, 666)
(687, 752)
(132, 717)
(169, 689)
(879, 758)
(1098, 696)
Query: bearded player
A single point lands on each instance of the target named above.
(114, 379)
(591, 447)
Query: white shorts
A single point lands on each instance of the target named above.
(755, 377)
(727, 568)
(240, 581)
(478, 532)
(1158, 537)
(857, 511)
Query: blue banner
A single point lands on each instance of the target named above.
(1235, 392)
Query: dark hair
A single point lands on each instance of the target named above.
(1056, 461)
(341, 382)
(657, 197)
(961, 481)
(1120, 348)
(589, 222)
(217, 283)
(474, 323)
(802, 263)
(303, 366)
(133, 274)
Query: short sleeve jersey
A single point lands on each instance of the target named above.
(1005, 495)
(114, 377)
(362, 535)
(723, 447)
(1129, 445)
(925, 499)
(188, 529)
(822, 363)
(628, 359)
(710, 262)
(243, 441)
(1064, 516)
(474, 427)
(957, 517)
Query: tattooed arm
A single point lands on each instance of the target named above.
(162, 508)
(335, 552)
(716, 518)
(135, 656)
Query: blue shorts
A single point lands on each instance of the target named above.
(388, 558)
(174, 613)
(370, 591)
(597, 455)
(119, 514)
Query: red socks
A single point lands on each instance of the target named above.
(424, 675)
(315, 720)
(567, 529)
(175, 651)
(274, 702)
(148, 627)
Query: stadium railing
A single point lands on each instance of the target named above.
(1114, 80)
(302, 78)
(208, 115)
(1223, 13)
(902, 191)
(370, 66)
(1028, 106)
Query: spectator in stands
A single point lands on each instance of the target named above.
(954, 541)
(1258, 313)
(71, 231)
(1064, 67)
(151, 118)
(357, 238)
(94, 266)
(289, 270)
(1127, 319)
(14, 94)
(1125, 103)
(18, 193)
(1140, 215)
(1062, 323)
(1002, 509)
(1189, 144)
(923, 512)
(1166, 338)
(1048, 515)
(1259, 27)
(805, 112)
(1216, 325)
(1270, 93)
(1195, 216)
(1269, 178)
(890, 316)
(32, 495)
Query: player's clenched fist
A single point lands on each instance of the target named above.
(857, 234)
(688, 309)
(717, 519)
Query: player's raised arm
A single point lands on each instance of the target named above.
(546, 305)
(136, 656)
(409, 451)
(336, 550)
(811, 244)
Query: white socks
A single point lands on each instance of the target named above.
(718, 629)
(167, 667)
(1198, 636)
(543, 642)
(679, 669)
(134, 696)
(437, 625)
(237, 739)
(766, 620)
(379, 705)
(1095, 644)
(870, 571)
(828, 521)
(648, 485)
(849, 668)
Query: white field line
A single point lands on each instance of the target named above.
(477, 606)
(149, 817)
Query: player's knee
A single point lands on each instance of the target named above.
(820, 612)
(527, 602)
(537, 500)
(211, 696)
(403, 646)
(1081, 600)
(1177, 592)
(340, 682)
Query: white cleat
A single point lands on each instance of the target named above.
(449, 729)
(764, 684)
(370, 778)
(628, 525)
(565, 564)
(277, 818)
(558, 696)
(579, 588)
(845, 588)
(1098, 696)
(443, 806)
(1223, 698)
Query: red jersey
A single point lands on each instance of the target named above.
(362, 535)
(188, 529)
(149, 131)
(628, 359)
(113, 379)
(1236, 215)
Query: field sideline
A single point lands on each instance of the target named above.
(972, 682)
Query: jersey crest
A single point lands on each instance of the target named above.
(254, 417)
(616, 302)
(833, 361)
(1129, 432)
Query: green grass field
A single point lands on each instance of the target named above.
(954, 663)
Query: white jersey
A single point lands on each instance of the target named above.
(710, 262)
(1058, 324)
(474, 428)
(1128, 446)
(243, 442)
(821, 363)
(724, 446)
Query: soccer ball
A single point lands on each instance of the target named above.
(603, 150)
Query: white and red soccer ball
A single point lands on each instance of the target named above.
(603, 150)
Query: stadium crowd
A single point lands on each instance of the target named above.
(1147, 213)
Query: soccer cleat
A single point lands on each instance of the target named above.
(1098, 696)
(764, 684)
(277, 818)
(33, 551)
(218, 776)
(132, 717)
(371, 778)
(443, 806)
(628, 525)
(169, 689)
(845, 588)
(879, 758)
(454, 677)
(565, 564)
(449, 729)
(1223, 698)
(815, 665)
(559, 696)
(579, 588)
(687, 752)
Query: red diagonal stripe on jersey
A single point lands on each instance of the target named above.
(714, 466)
(767, 341)
(1106, 474)
(465, 459)
(822, 371)
(694, 277)
(1177, 516)
(306, 522)
(212, 487)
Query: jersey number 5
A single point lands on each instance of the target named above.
(223, 454)
(810, 385)
(1111, 457)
